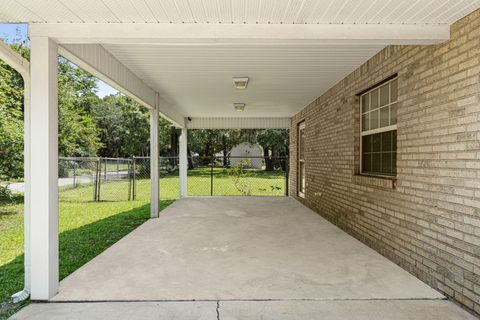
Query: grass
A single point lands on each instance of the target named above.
(87, 228)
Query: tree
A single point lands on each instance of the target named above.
(208, 142)
(76, 95)
(204, 142)
(11, 146)
(274, 141)
(124, 127)
(77, 133)
(115, 126)
(11, 116)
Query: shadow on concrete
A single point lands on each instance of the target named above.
(76, 247)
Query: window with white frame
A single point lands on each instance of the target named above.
(378, 143)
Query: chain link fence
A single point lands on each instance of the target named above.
(237, 176)
(125, 179)
(109, 179)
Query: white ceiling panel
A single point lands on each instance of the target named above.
(55, 11)
(96, 11)
(283, 78)
(237, 11)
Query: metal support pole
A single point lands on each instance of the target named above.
(183, 163)
(95, 184)
(287, 172)
(211, 178)
(134, 179)
(99, 173)
(129, 170)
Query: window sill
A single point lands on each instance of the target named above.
(375, 181)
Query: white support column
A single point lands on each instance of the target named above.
(43, 136)
(154, 170)
(183, 163)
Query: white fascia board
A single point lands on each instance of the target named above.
(195, 33)
(14, 60)
(238, 123)
(103, 65)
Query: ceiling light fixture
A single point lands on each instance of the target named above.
(240, 83)
(239, 107)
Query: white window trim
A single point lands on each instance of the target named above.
(377, 130)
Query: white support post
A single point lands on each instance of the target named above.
(183, 163)
(43, 138)
(154, 170)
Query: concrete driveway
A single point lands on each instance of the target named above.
(62, 182)
(242, 258)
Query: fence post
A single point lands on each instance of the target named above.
(95, 185)
(105, 173)
(134, 179)
(287, 171)
(211, 178)
(129, 170)
(74, 175)
(99, 163)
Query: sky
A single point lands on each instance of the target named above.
(14, 32)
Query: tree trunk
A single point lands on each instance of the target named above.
(189, 158)
(268, 160)
(283, 161)
(224, 145)
(207, 157)
(173, 146)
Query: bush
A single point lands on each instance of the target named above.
(5, 194)
(240, 175)
(11, 146)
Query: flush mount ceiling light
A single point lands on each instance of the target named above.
(240, 83)
(239, 106)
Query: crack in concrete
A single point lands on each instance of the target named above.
(218, 309)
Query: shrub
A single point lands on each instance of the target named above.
(239, 174)
(5, 194)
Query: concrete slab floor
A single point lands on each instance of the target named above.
(343, 310)
(240, 248)
(242, 258)
(251, 310)
(119, 310)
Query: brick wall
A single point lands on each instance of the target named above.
(428, 219)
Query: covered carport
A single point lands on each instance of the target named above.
(179, 59)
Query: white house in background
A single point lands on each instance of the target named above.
(247, 151)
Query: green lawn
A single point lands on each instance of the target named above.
(87, 228)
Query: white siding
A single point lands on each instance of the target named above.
(238, 123)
